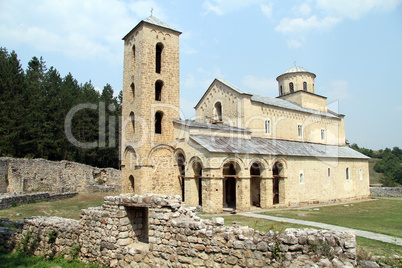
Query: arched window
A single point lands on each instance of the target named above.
(291, 87)
(280, 91)
(300, 130)
(305, 86)
(158, 90)
(133, 60)
(347, 174)
(159, 48)
(218, 111)
(301, 177)
(267, 126)
(132, 122)
(131, 179)
(158, 122)
(132, 93)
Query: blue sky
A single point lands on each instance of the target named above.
(354, 48)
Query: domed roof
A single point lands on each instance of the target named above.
(296, 69)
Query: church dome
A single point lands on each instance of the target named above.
(296, 69)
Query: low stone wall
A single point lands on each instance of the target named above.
(386, 191)
(11, 200)
(156, 231)
(103, 188)
(40, 175)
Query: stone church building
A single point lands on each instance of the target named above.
(244, 150)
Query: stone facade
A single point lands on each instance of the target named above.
(39, 175)
(242, 149)
(157, 231)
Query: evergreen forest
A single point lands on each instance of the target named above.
(38, 107)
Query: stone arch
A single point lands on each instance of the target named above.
(196, 166)
(130, 156)
(257, 169)
(158, 122)
(158, 57)
(158, 90)
(180, 158)
(218, 111)
(278, 172)
(230, 172)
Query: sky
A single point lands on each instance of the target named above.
(354, 48)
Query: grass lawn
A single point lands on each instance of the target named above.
(383, 215)
(16, 260)
(67, 208)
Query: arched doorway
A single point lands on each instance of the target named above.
(197, 168)
(230, 171)
(181, 160)
(255, 185)
(277, 172)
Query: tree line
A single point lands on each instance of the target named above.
(389, 164)
(36, 110)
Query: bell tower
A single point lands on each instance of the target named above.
(151, 95)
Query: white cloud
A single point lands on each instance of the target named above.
(357, 8)
(301, 25)
(338, 90)
(267, 10)
(302, 10)
(221, 7)
(398, 108)
(265, 86)
(81, 29)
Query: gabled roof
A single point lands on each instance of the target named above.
(222, 81)
(194, 124)
(154, 21)
(269, 100)
(261, 146)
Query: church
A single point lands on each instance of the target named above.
(243, 150)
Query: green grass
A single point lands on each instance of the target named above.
(17, 260)
(380, 216)
(67, 208)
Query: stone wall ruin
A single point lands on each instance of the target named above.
(40, 175)
(156, 230)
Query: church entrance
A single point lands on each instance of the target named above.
(255, 185)
(229, 185)
(277, 172)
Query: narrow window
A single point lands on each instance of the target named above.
(218, 111)
(329, 172)
(361, 174)
(131, 178)
(267, 126)
(133, 60)
(158, 90)
(322, 134)
(300, 130)
(158, 122)
(301, 177)
(132, 122)
(305, 86)
(280, 91)
(159, 49)
(132, 95)
(347, 174)
(291, 88)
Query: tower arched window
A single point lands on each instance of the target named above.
(291, 87)
(267, 126)
(133, 60)
(305, 86)
(158, 90)
(132, 92)
(218, 111)
(158, 122)
(280, 91)
(132, 122)
(158, 63)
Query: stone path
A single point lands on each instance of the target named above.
(365, 234)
